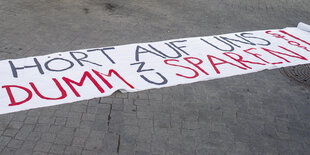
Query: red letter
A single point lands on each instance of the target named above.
(63, 92)
(294, 43)
(86, 74)
(210, 57)
(259, 56)
(195, 64)
(294, 37)
(109, 75)
(13, 102)
(294, 56)
(276, 35)
(189, 77)
(240, 59)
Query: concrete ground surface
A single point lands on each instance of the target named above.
(259, 113)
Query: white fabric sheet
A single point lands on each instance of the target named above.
(70, 76)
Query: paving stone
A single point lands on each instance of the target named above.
(158, 97)
(131, 130)
(55, 128)
(39, 153)
(84, 103)
(48, 137)
(9, 151)
(15, 143)
(110, 143)
(60, 120)
(88, 117)
(71, 150)
(126, 149)
(163, 123)
(93, 143)
(63, 139)
(3, 125)
(118, 106)
(142, 153)
(97, 134)
(140, 95)
(57, 149)
(24, 152)
(73, 122)
(130, 121)
(116, 127)
(20, 116)
(16, 124)
(86, 152)
(76, 115)
(86, 124)
(49, 113)
(91, 110)
(99, 126)
(80, 142)
(157, 103)
(161, 116)
(66, 107)
(28, 146)
(130, 108)
(33, 112)
(282, 135)
(46, 119)
(171, 151)
(41, 127)
(118, 101)
(93, 102)
(4, 140)
(42, 146)
(22, 135)
(121, 95)
(145, 147)
(10, 132)
(31, 119)
(145, 123)
(144, 108)
(83, 132)
(62, 113)
(67, 131)
(145, 115)
(106, 100)
(79, 108)
(34, 136)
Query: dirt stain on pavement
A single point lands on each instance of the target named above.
(110, 6)
(86, 10)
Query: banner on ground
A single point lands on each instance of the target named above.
(88, 73)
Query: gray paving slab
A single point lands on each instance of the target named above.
(259, 113)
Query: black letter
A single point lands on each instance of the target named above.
(103, 52)
(229, 40)
(141, 66)
(178, 53)
(144, 51)
(14, 69)
(152, 82)
(267, 42)
(82, 59)
(231, 47)
(58, 70)
(177, 47)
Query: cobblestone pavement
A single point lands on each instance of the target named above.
(260, 113)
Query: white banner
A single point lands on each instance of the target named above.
(84, 74)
